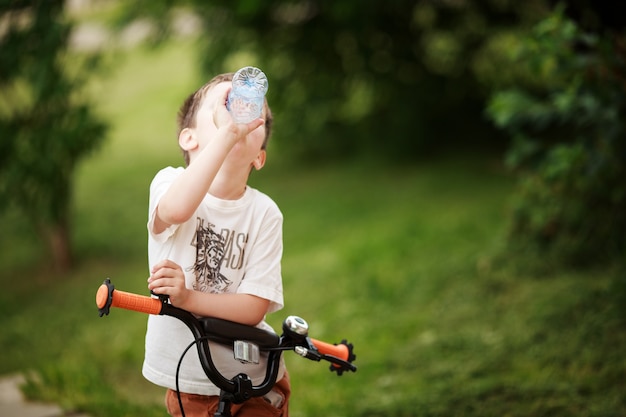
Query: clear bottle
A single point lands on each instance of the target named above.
(246, 98)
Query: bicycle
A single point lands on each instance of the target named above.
(247, 343)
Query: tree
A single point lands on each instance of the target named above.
(45, 124)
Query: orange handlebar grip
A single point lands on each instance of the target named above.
(136, 302)
(107, 296)
(340, 351)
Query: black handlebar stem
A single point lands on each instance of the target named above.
(240, 388)
(203, 348)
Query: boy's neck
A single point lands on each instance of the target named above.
(226, 187)
(228, 194)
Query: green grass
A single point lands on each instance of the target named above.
(401, 261)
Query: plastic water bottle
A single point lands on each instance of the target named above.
(246, 98)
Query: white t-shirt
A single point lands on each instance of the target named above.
(229, 246)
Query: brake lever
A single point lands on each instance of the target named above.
(337, 364)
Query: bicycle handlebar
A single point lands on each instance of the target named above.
(295, 337)
(149, 305)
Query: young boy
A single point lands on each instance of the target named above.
(215, 247)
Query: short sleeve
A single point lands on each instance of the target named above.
(263, 272)
(159, 186)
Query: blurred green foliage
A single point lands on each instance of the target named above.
(46, 126)
(392, 78)
(569, 149)
(399, 78)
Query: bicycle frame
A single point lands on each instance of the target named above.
(240, 388)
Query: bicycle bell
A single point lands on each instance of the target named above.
(296, 326)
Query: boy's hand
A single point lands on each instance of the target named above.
(167, 277)
(223, 119)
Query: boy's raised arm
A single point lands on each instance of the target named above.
(188, 190)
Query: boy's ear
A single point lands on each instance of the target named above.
(187, 139)
(259, 162)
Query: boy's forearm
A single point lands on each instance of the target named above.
(241, 308)
(188, 190)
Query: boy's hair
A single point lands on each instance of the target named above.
(189, 110)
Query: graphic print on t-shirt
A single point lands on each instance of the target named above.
(209, 255)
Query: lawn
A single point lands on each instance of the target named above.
(400, 260)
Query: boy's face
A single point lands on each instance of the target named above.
(246, 150)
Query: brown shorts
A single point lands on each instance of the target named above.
(273, 404)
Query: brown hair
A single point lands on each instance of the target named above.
(189, 110)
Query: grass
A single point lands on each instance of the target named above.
(401, 261)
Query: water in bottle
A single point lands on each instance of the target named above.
(245, 100)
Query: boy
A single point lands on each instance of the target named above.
(215, 247)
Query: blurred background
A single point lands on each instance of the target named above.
(451, 174)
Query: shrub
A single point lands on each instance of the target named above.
(568, 143)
